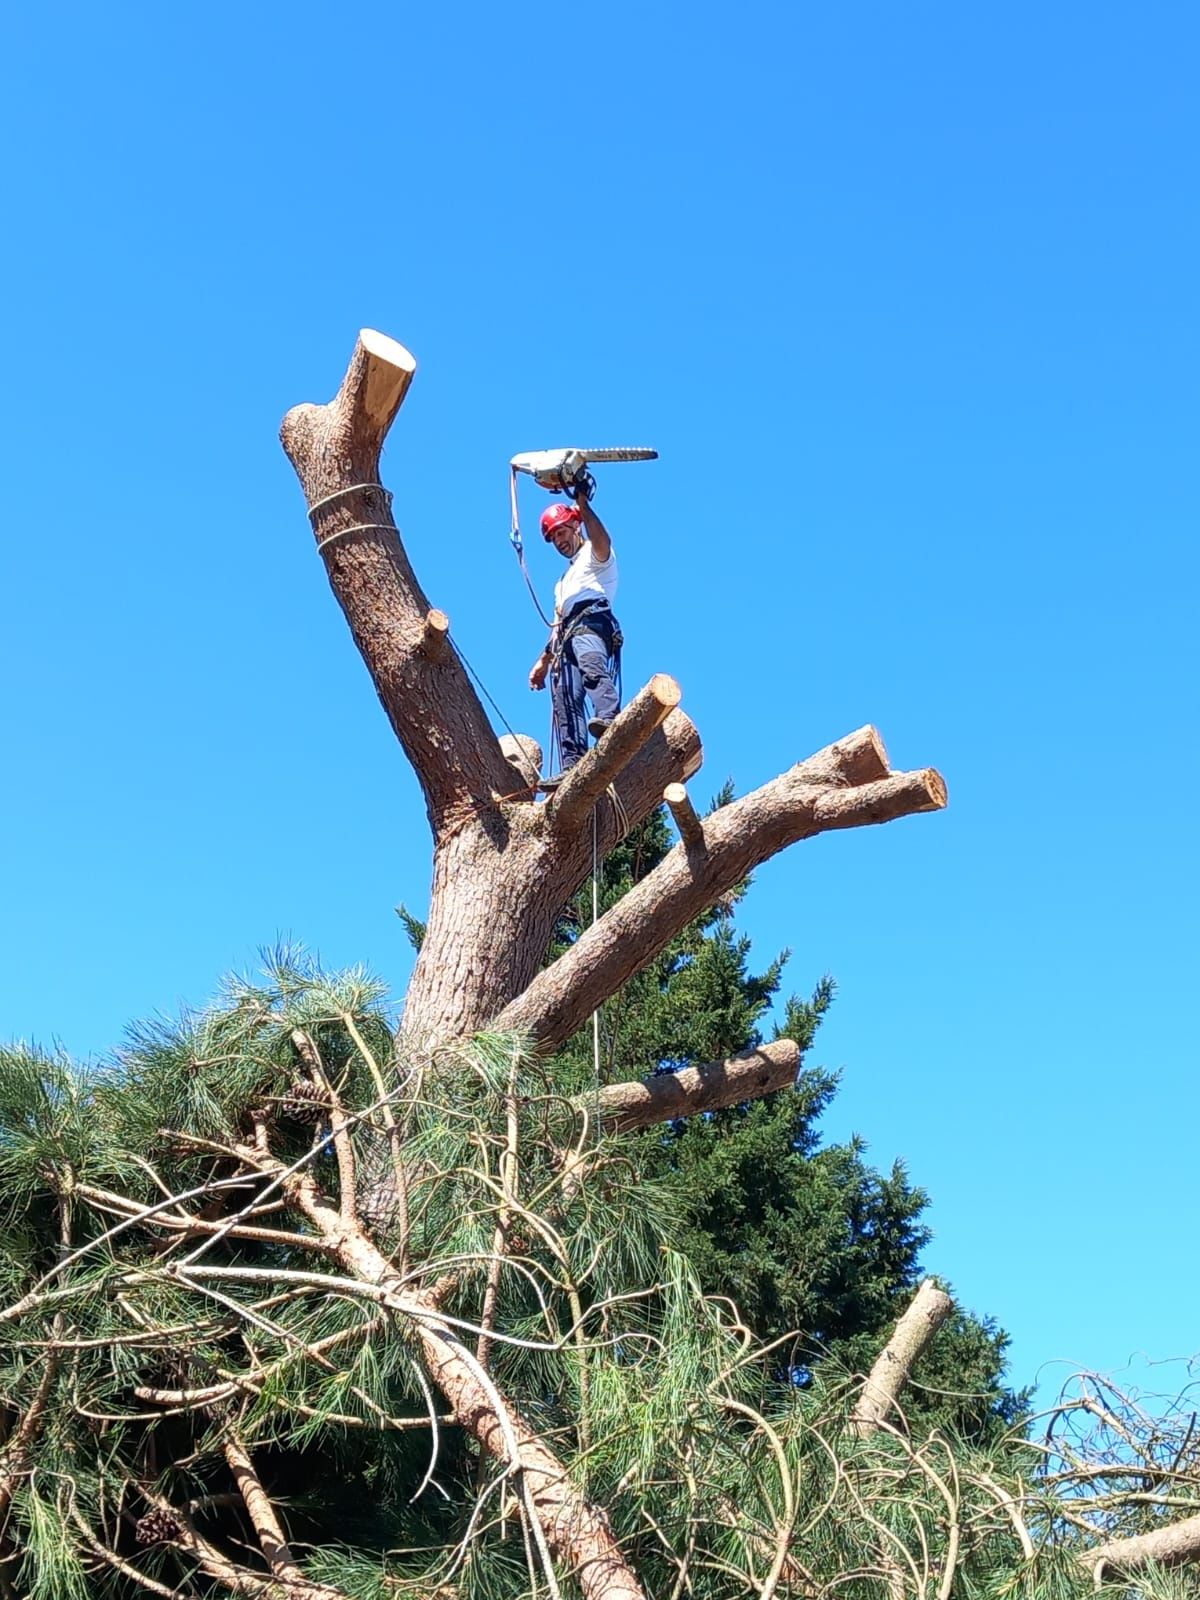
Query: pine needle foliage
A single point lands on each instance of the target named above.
(171, 1310)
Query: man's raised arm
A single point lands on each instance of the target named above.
(596, 531)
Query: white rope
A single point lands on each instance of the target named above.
(356, 527)
(595, 918)
(338, 494)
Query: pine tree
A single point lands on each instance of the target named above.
(216, 1376)
(302, 1302)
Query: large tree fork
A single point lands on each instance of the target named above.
(504, 866)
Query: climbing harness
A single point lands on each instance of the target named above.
(577, 622)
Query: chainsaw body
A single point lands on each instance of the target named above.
(567, 471)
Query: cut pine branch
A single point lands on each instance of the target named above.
(1176, 1544)
(876, 1404)
(672, 753)
(436, 632)
(261, 1509)
(622, 1107)
(691, 829)
(603, 764)
(737, 838)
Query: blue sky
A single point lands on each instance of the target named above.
(905, 297)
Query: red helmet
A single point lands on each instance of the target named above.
(557, 517)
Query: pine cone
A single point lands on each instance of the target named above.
(156, 1527)
(304, 1102)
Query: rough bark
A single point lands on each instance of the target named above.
(893, 1367)
(504, 866)
(582, 787)
(622, 1107)
(501, 878)
(267, 1525)
(1168, 1547)
(434, 710)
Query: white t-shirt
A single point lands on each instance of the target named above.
(586, 579)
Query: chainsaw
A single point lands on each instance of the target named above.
(567, 471)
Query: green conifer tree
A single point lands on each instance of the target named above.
(815, 1247)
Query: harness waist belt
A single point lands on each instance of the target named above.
(584, 607)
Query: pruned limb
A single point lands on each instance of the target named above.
(1171, 1546)
(847, 763)
(576, 1531)
(929, 1308)
(238, 1580)
(263, 1515)
(431, 703)
(671, 754)
(436, 632)
(622, 1107)
(691, 829)
(737, 838)
(629, 731)
(524, 755)
(18, 1450)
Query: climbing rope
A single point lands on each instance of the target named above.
(595, 919)
(338, 494)
(356, 527)
(613, 797)
(518, 545)
(483, 688)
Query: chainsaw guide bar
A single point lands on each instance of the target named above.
(556, 470)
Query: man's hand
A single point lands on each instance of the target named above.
(583, 487)
(537, 673)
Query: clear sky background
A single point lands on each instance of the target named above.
(906, 297)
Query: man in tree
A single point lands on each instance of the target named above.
(586, 637)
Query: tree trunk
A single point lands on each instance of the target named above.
(505, 865)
